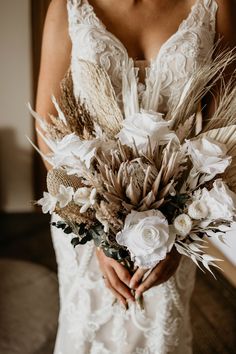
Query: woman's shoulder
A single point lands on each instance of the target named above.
(57, 11)
(56, 23)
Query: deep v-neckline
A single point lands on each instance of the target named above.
(164, 45)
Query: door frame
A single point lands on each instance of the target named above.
(38, 10)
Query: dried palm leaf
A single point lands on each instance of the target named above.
(225, 113)
(201, 82)
(163, 193)
(184, 130)
(157, 204)
(146, 180)
(133, 192)
(57, 129)
(146, 203)
(157, 182)
(225, 135)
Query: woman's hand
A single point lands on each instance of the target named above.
(160, 274)
(116, 277)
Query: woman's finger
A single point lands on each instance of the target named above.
(137, 278)
(154, 278)
(114, 272)
(118, 285)
(161, 273)
(117, 295)
(122, 273)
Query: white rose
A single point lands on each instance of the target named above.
(48, 203)
(198, 210)
(141, 125)
(147, 237)
(183, 225)
(208, 156)
(65, 195)
(220, 201)
(66, 151)
(86, 197)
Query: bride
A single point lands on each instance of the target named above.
(165, 40)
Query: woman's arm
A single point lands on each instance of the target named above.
(55, 60)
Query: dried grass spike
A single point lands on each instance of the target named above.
(98, 93)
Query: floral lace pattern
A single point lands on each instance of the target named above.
(89, 323)
(182, 53)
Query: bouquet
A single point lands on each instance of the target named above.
(141, 182)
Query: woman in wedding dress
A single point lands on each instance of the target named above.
(165, 41)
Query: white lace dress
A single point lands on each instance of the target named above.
(88, 322)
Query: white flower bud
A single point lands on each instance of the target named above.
(183, 225)
(64, 195)
(198, 210)
(86, 197)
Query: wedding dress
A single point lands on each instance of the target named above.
(89, 322)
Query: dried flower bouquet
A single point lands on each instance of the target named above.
(140, 183)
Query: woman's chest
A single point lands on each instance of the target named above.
(141, 26)
(171, 65)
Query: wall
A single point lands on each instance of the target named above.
(15, 92)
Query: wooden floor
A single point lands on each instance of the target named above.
(213, 307)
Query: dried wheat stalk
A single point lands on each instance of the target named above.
(98, 94)
(77, 116)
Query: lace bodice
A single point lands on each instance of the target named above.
(177, 58)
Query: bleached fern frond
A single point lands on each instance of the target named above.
(195, 251)
(129, 88)
(41, 122)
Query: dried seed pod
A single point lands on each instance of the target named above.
(58, 176)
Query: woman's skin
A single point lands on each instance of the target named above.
(142, 26)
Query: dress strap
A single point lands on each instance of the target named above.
(212, 7)
(80, 12)
(74, 2)
(73, 11)
(211, 4)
